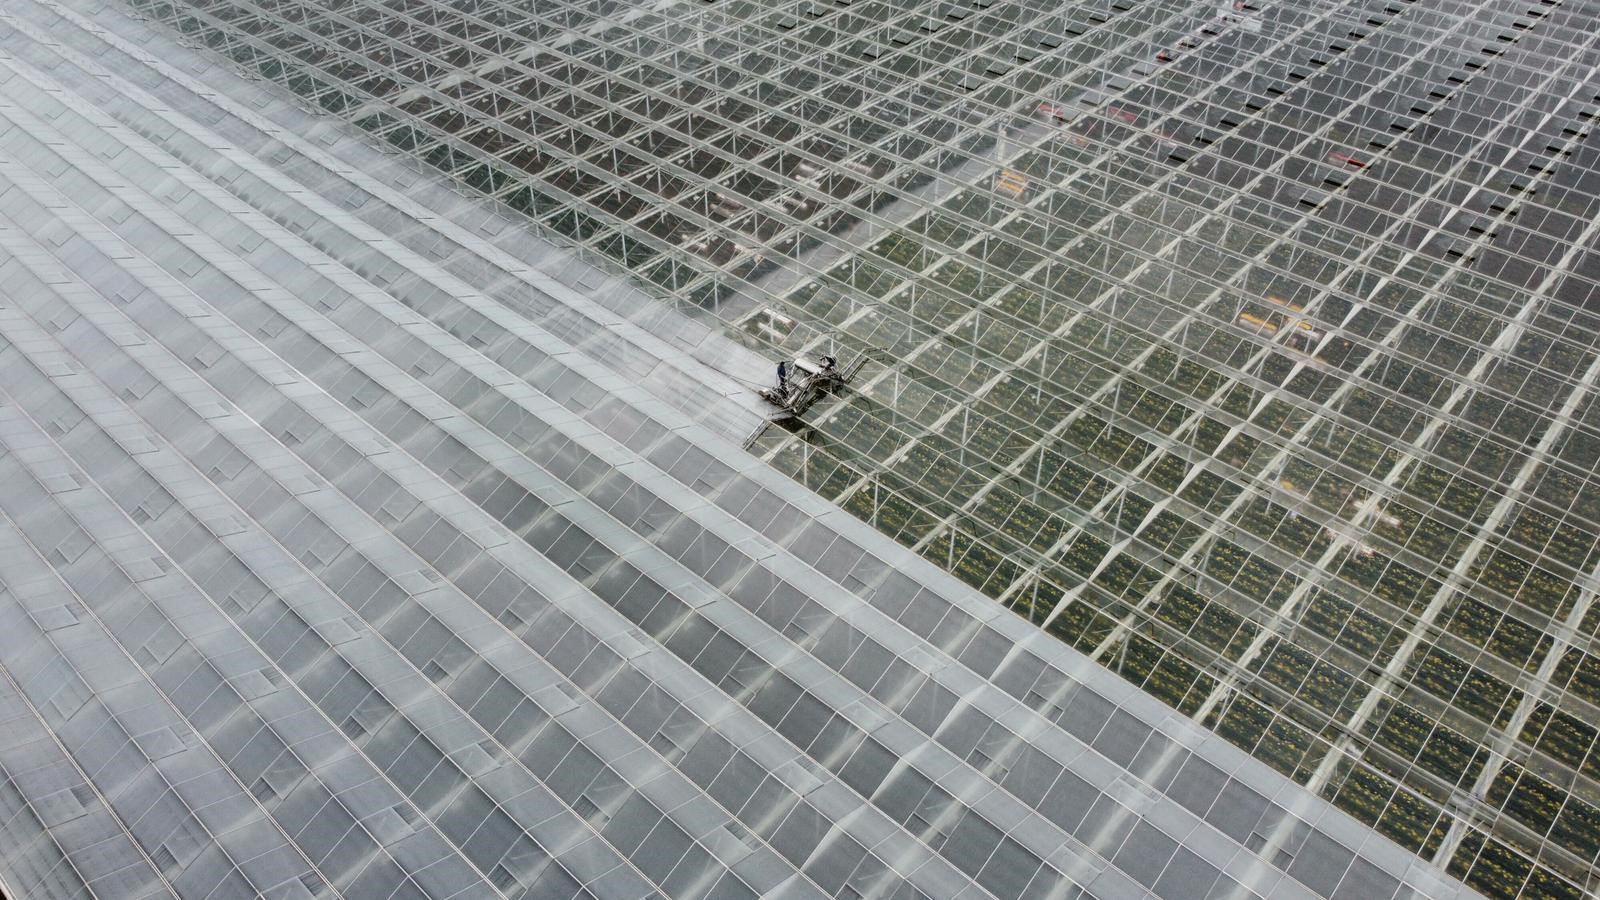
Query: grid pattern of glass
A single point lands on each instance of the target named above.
(1246, 348)
(331, 569)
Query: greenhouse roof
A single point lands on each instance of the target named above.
(1248, 348)
(358, 541)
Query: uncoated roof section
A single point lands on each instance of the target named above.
(346, 552)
